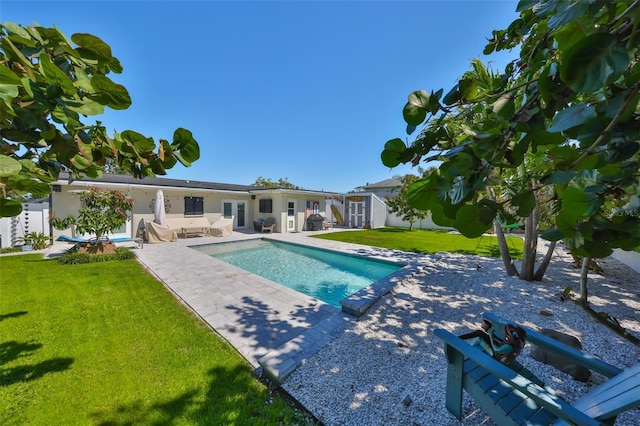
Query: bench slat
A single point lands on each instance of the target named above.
(614, 396)
(499, 397)
(525, 408)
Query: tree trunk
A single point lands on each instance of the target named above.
(530, 246)
(504, 251)
(542, 268)
(584, 276)
(502, 242)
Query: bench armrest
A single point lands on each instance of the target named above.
(552, 345)
(551, 403)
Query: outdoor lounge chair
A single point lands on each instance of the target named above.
(222, 227)
(512, 395)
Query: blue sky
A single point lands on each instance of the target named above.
(304, 90)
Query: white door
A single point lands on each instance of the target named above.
(237, 209)
(356, 214)
(291, 215)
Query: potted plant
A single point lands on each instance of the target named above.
(32, 241)
(102, 212)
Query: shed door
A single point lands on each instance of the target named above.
(356, 214)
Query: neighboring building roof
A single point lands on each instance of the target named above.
(387, 183)
(110, 178)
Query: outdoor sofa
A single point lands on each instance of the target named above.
(184, 227)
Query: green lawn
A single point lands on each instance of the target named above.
(106, 343)
(427, 241)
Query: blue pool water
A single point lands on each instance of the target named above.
(325, 275)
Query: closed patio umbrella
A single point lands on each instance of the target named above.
(159, 215)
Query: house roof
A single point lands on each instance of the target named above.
(161, 182)
(387, 183)
(110, 178)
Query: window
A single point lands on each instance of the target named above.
(265, 205)
(193, 206)
(227, 209)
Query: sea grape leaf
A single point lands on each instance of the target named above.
(423, 194)
(392, 150)
(592, 62)
(415, 111)
(576, 203)
(469, 223)
(9, 208)
(9, 166)
(552, 235)
(525, 201)
(573, 116)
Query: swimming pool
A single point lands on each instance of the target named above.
(326, 275)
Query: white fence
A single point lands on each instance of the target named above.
(629, 258)
(427, 223)
(34, 218)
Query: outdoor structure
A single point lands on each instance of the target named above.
(191, 199)
(387, 189)
(357, 210)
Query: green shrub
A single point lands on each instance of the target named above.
(72, 257)
(123, 253)
(10, 250)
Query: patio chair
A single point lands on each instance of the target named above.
(513, 395)
(267, 226)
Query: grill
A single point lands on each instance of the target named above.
(314, 222)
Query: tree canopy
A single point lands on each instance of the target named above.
(269, 183)
(48, 85)
(560, 125)
(399, 202)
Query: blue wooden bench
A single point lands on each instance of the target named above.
(512, 395)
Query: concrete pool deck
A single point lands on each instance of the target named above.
(273, 327)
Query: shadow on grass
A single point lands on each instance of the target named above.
(11, 351)
(137, 413)
(230, 397)
(12, 315)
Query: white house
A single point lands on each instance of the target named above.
(188, 198)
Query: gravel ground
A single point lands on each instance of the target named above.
(388, 368)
